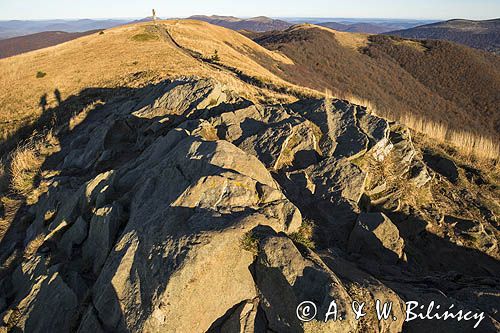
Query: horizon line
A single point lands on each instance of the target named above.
(247, 17)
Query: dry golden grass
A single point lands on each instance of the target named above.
(351, 40)
(78, 118)
(467, 143)
(25, 165)
(118, 58)
(233, 49)
(33, 246)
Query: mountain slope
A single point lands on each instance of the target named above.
(17, 45)
(165, 178)
(435, 80)
(258, 24)
(131, 55)
(484, 35)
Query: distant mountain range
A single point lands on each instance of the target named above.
(15, 28)
(390, 24)
(369, 28)
(257, 24)
(17, 45)
(483, 35)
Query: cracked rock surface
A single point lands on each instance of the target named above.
(182, 208)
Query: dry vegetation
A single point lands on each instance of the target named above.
(135, 55)
(437, 81)
(127, 56)
(25, 163)
(468, 144)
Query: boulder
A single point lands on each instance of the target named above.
(442, 165)
(285, 278)
(183, 241)
(374, 235)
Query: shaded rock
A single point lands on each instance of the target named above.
(49, 307)
(337, 121)
(442, 165)
(419, 175)
(184, 96)
(374, 235)
(239, 124)
(363, 287)
(461, 224)
(74, 236)
(221, 193)
(403, 149)
(243, 318)
(103, 228)
(285, 278)
(377, 130)
(288, 143)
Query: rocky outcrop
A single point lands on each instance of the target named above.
(181, 209)
(376, 236)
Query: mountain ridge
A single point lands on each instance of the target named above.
(365, 66)
(258, 24)
(484, 35)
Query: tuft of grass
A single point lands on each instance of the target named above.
(304, 235)
(40, 74)
(145, 37)
(33, 246)
(25, 163)
(24, 167)
(79, 117)
(250, 243)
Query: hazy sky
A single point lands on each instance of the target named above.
(433, 9)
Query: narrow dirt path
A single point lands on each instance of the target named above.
(167, 36)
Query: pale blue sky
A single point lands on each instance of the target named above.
(420, 9)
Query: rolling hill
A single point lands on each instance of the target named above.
(17, 45)
(128, 55)
(15, 28)
(435, 80)
(484, 35)
(258, 24)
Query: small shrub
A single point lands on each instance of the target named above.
(215, 57)
(40, 74)
(101, 32)
(304, 235)
(250, 243)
